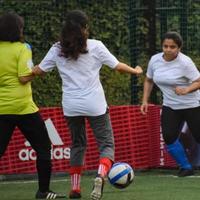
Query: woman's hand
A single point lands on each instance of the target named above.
(144, 108)
(138, 70)
(122, 67)
(181, 91)
(37, 71)
(195, 85)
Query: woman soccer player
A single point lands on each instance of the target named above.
(16, 104)
(79, 61)
(179, 80)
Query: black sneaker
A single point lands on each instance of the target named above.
(75, 194)
(97, 191)
(49, 195)
(185, 172)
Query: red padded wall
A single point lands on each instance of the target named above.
(137, 139)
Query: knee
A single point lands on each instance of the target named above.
(169, 139)
(44, 154)
(78, 148)
(79, 145)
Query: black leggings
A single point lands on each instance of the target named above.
(172, 121)
(32, 127)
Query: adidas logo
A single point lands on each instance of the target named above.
(57, 153)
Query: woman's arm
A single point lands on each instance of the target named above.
(38, 71)
(122, 67)
(25, 79)
(191, 88)
(35, 71)
(148, 86)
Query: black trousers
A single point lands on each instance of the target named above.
(33, 128)
(172, 121)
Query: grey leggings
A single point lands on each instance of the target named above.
(102, 129)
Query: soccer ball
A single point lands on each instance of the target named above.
(121, 175)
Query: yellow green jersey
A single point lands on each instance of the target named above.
(15, 61)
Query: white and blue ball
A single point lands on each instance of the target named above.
(121, 175)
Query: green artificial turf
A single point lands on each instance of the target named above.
(151, 185)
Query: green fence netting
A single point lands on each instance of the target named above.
(130, 29)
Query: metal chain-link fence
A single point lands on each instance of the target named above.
(130, 29)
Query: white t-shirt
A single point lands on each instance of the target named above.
(178, 72)
(83, 93)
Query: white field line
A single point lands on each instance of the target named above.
(173, 176)
(28, 182)
(66, 180)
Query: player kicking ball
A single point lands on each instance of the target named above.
(79, 61)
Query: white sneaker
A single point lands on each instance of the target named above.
(97, 189)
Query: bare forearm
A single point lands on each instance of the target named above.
(122, 67)
(148, 86)
(26, 79)
(194, 86)
(191, 88)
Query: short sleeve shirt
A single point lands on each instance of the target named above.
(178, 72)
(15, 61)
(82, 90)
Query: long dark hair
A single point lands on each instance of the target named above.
(11, 27)
(74, 34)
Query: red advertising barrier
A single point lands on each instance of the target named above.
(137, 139)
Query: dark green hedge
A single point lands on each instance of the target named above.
(109, 23)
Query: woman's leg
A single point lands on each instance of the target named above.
(171, 121)
(7, 126)
(34, 129)
(101, 126)
(192, 117)
(77, 153)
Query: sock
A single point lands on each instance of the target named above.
(104, 166)
(75, 173)
(44, 174)
(177, 151)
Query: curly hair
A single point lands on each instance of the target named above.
(74, 34)
(11, 27)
